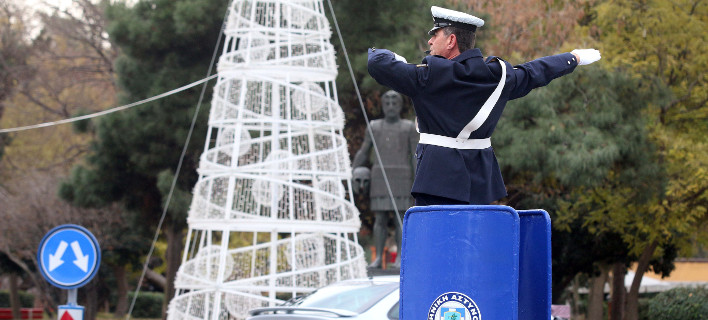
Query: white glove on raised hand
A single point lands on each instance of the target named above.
(586, 56)
(399, 58)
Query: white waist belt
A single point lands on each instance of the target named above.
(456, 143)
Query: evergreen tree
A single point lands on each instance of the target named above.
(163, 44)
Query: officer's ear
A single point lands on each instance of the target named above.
(452, 41)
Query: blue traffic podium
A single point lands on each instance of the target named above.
(475, 262)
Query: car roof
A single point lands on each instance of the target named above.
(373, 280)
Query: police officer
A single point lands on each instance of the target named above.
(458, 98)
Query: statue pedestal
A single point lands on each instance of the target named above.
(465, 262)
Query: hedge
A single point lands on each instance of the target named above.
(26, 299)
(679, 303)
(148, 304)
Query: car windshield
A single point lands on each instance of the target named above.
(356, 297)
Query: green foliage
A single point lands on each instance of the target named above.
(666, 41)
(577, 130)
(14, 51)
(83, 126)
(26, 299)
(582, 137)
(164, 44)
(4, 140)
(148, 304)
(181, 199)
(679, 303)
(84, 188)
(663, 39)
(644, 308)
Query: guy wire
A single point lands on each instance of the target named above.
(366, 118)
(179, 165)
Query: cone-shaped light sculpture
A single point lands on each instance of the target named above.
(272, 214)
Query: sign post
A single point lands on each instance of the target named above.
(69, 257)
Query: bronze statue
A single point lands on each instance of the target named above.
(396, 140)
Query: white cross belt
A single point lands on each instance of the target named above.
(462, 141)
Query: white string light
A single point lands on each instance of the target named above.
(109, 111)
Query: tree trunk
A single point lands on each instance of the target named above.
(597, 294)
(91, 300)
(576, 297)
(121, 291)
(42, 285)
(619, 293)
(174, 250)
(632, 309)
(15, 297)
(156, 278)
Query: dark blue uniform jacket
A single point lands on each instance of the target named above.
(446, 95)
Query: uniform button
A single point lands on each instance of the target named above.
(568, 62)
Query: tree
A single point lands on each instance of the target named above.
(72, 64)
(88, 28)
(7, 266)
(70, 76)
(30, 209)
(526, 29)
(13, 68)
(164, 44)
(664, 40)
(575, 132)
(14, 49)
(576, 136)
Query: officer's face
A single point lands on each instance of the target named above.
(438, 43)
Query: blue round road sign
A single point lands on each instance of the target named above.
(69, 256)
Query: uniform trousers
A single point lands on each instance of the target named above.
(424, 199)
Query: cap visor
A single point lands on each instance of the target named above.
(432, 31)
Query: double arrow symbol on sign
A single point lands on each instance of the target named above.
(81, 260)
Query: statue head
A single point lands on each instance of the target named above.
(361, 179)
(392, 103)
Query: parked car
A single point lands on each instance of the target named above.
(371, 299)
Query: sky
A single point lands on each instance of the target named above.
(32, 6)
(43, 4)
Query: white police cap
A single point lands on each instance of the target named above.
(450, 18)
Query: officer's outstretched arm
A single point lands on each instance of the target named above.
(388, 70)
(539, 72)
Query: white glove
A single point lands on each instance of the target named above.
(399, 58)
(586, 56)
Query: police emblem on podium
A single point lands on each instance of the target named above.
(451, 314)
(454, 306)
